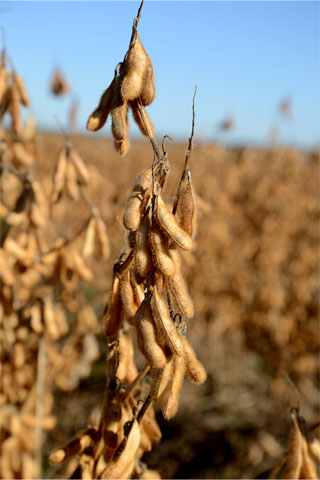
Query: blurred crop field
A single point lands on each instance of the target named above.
(254, 279)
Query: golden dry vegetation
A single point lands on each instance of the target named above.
(95, 317)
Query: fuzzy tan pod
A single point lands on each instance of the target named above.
(147, 337)
(138, 197)
(170, 226)
(113, 311)
(187, 208)
(133, 71)
(24, 98)
(99, 116)
(148, 91)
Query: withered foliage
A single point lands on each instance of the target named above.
(48, 328)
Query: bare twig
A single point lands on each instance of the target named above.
(135, 382)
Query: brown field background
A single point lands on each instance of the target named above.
(254, 279)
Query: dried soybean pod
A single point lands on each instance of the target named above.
(113, 311)
(187, 208)
(24, 98)
(122, 146)
(308, 468)
(178, 287)
(4, 82)
(166, 375)
(134, 68)
(294, 455)
(138, 290)
(314, 445)
(142, 254)
(59, 176)
(147, 336)
(79, 266)
(166, 330)
(148, 91)
(123, 466)
(151, 426)
(137, 118)
(75, 446)
(127, 297)
(170, 397)
(119, 113)
(71, 182)
(81, 169)
(160, 250)
(102, 238)
(132, 215)
(194, 368)
(89, 241)
(168, 223)
(99, 117)
(14, 108)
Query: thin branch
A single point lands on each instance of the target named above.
(137, 380)
(187, 159)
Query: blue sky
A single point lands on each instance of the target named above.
(245, 57)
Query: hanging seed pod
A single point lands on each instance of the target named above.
(99, 117)
(120, 122)
(14, 108)
(139, 195)
(138, 289)
(21, 156)
(133, 71)
(314, 446)
(80, 167)
(148, 91)
(102, 239)
(166, 375)
(167, 334)
(4, 82)
(59, 178)
(178, 287)
(194, 368)
(142, 254)
(79, 267)
(127, 296)
(293, 463)
(187, 208)
(123, 466)
(88, 246)
(113, 312)
(308, 468)
(24, 98)
(151, 426)
(127, 370)
(71, 182)
(170, 397)
(160, 249)
(49, 319)
(168, 223)
(147, 337)
(29, 129)
(75, 446)
(145, 130)
(122, 146)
